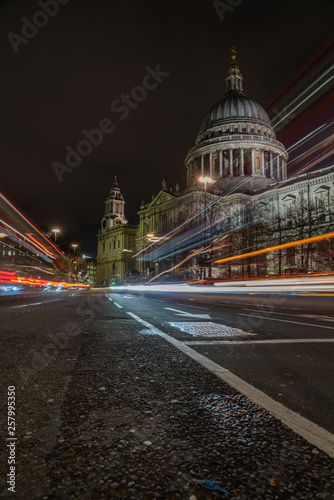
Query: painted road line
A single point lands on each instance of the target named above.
(27, 305)
(312, 316)
(109, 298)
(35, 303)
(278, 341)
(188, 314)
(194, 307)
(313, 433)
(287, 321)
(121, 307)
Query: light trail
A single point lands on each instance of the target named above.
(309, 136)
(313, 149)
(32, 225)
(39, 244)
(308, 97)
(11, 278)
(277, 247)
(18, 239)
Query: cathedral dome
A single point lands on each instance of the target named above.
(234, 107)
(236, 145)
(235, 112)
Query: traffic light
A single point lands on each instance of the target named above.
(113, 282)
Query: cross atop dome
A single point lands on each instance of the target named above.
(233, 56)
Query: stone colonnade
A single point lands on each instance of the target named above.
(241, 161)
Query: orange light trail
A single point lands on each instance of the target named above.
(278, 247)
(20, 280)
(38, 243)
(28, 221)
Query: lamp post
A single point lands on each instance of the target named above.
(206, 180)
(74, 245)
(55, 231)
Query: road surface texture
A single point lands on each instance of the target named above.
(107, 408)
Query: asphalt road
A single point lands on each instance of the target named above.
(289, 356)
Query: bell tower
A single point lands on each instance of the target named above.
(114, 209)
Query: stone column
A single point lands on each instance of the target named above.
(262, 163)
(277, 167)
(252, 156)
(271, 165)
(221, 163)
(242, 171)
(210, 163)
(231, 162)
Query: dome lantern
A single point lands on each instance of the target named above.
(234, 80)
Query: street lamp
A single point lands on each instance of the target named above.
(205, 180)
(55, 231)
(74, 245)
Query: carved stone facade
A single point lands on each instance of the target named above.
(236, 148)
(116, 241)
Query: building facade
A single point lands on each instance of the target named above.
(116, 241)
(238, 198)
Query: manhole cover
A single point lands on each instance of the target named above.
(208, 329)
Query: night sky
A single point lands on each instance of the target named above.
(67, 75)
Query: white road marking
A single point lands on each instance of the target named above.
(27, 305)
(188, 314)
(313, 433)
(278, 341)
(109, 298)
(194, 307)
(288, 321)
(35, 303)
(313, 316)
(121, 307)
(157, 300)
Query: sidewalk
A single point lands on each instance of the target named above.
(141, 420)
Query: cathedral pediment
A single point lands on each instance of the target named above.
(161, 198)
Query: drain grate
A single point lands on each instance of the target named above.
(209, 329)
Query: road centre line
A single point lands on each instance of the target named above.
(287, 321)
(111, 300)
(278, 341)
(313, 433)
